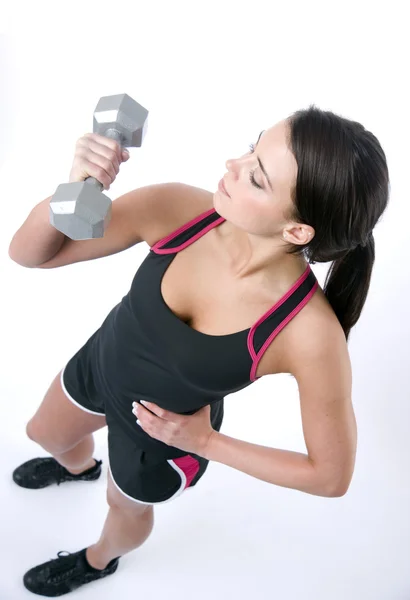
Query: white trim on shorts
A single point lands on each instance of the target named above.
(92, 412)
(171, 462)
(178, 493)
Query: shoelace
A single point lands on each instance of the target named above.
(63, 567)
(44, 468)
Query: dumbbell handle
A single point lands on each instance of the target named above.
(113, 134)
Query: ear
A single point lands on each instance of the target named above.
(299, 234)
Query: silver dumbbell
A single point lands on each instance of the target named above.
(79, 209)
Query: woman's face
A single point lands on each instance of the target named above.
(260, 200)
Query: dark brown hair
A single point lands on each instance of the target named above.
(342, 189)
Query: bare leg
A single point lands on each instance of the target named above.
(64, 430)
(79, 458)
(123, 531)
(127, 526)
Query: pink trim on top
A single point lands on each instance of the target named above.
(168, 238)
(257, 357)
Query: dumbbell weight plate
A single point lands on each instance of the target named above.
(79, 209)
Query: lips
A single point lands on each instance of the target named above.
(222, 184)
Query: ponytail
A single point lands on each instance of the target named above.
(347, 283)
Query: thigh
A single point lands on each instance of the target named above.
(117, 499)
(59, 424)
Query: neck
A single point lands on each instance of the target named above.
(254, 257)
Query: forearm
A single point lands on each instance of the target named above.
(36, 241)
(280, 467)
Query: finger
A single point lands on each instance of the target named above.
(106, 142)
(143, 415)
(107, 156)
(153, 408)
(149, 429)
(146, 420)
(98, 172)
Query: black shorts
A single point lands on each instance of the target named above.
(143, 476)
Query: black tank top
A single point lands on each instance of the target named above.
(144, 351)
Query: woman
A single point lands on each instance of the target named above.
(227, 272)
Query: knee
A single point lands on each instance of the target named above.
(116, 500)
(31, 431)
(37, 434)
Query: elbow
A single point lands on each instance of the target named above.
(337, 489)
(21, 263)
(332, 485)
(12, 256)
(336, 492)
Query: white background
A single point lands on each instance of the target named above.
(212, 75)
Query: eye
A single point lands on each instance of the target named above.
(252, 180)
(251, 174)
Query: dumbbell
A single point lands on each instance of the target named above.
(79, 209)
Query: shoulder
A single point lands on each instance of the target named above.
(177, 205)
(313, 343)
(316, 352)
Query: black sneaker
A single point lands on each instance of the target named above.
(41, 472)
(64, 574)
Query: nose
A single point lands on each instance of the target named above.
(233, 165)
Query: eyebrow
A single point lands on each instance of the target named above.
(260, 162)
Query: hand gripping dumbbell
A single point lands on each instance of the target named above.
(79, 209)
